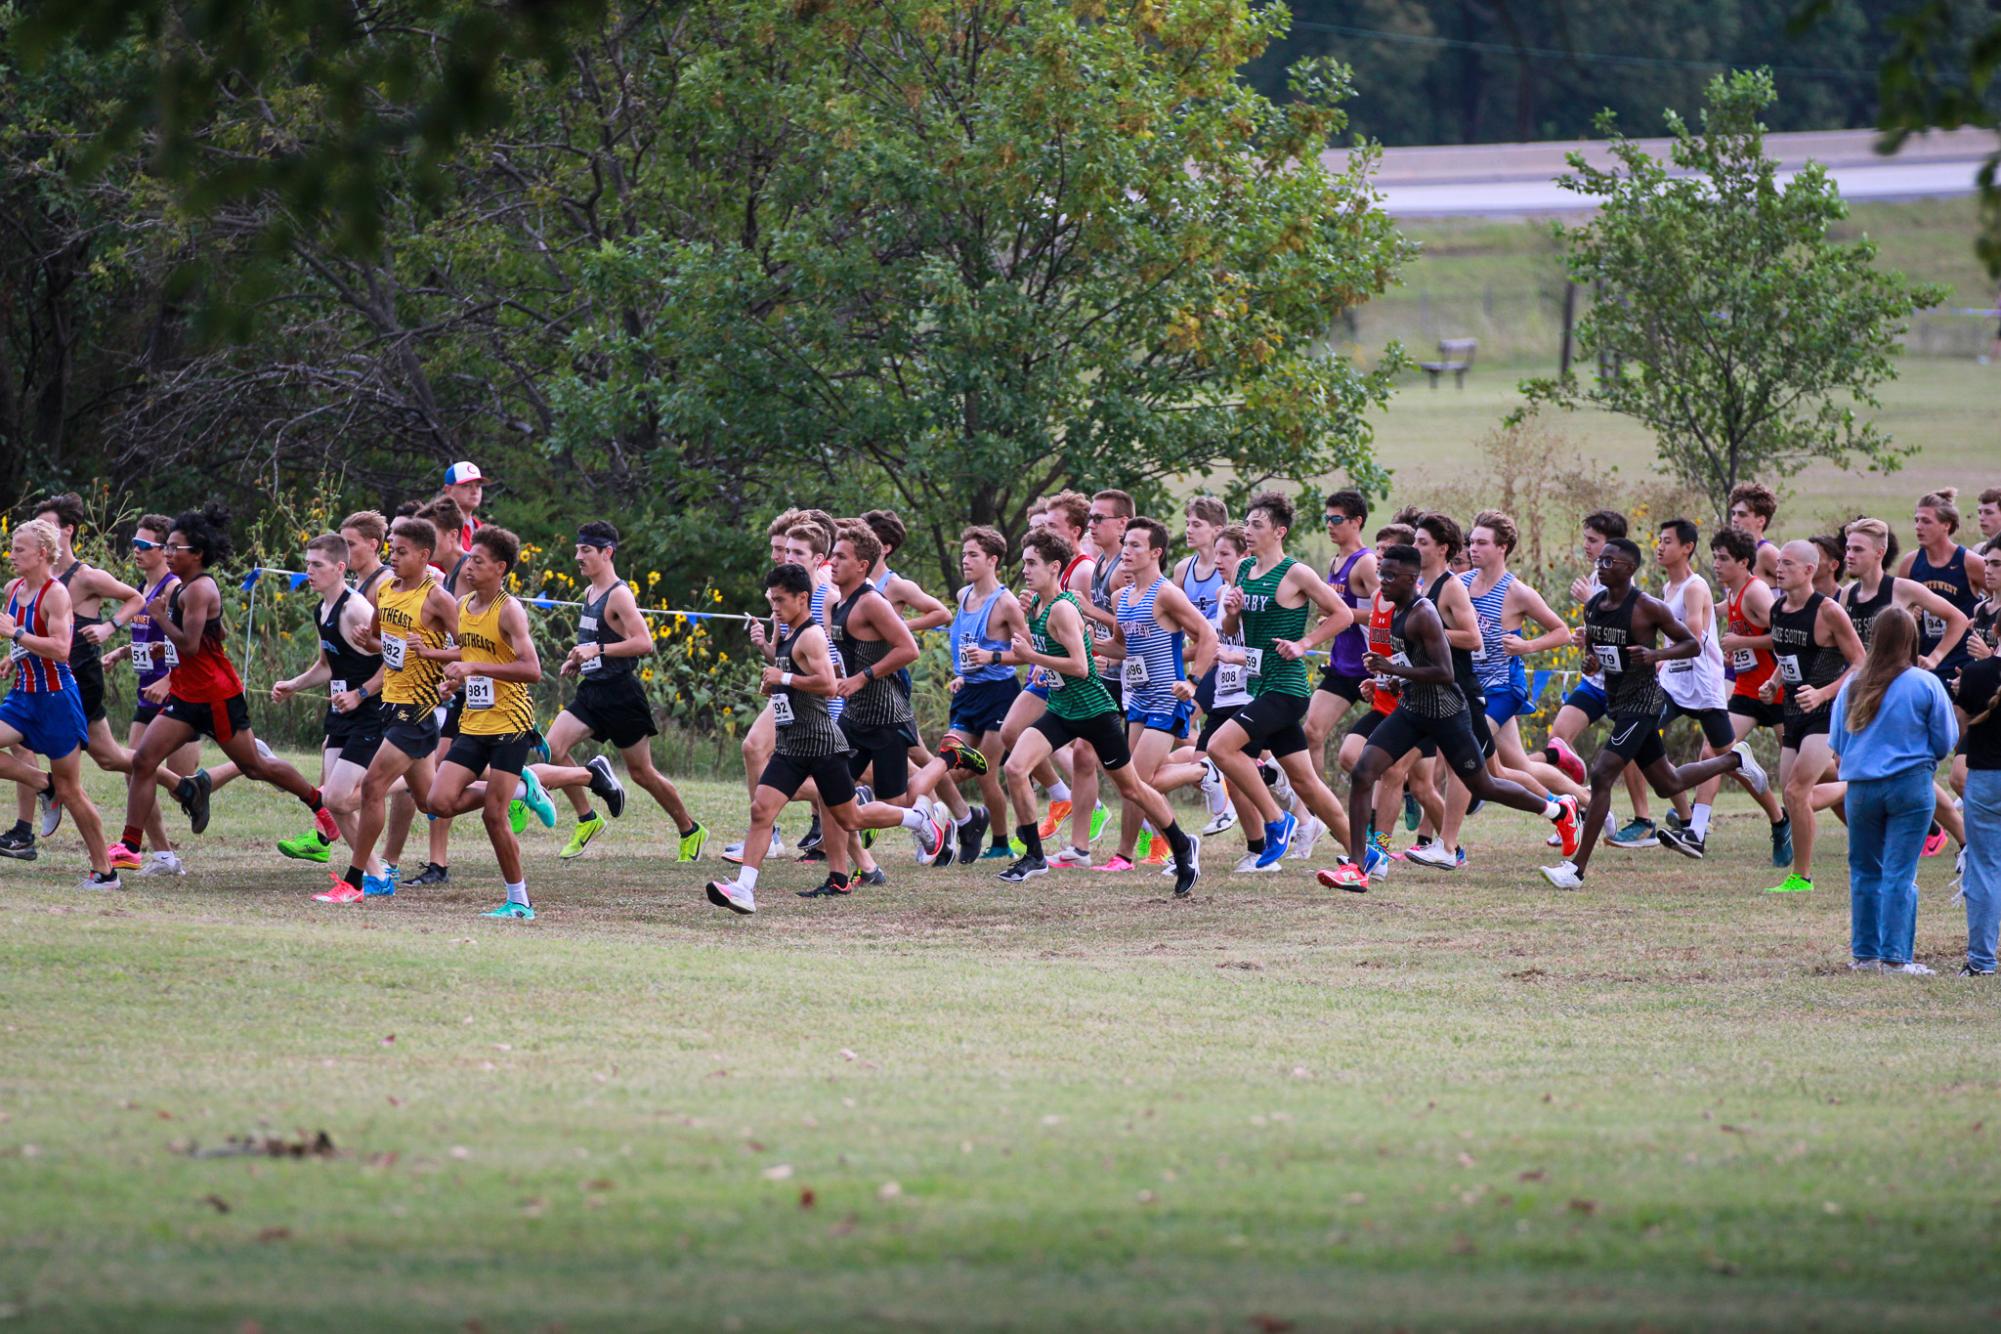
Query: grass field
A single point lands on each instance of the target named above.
(1460, 1101)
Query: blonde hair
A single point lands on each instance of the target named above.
(43, 534)
(1874, 529)
(1893, 650)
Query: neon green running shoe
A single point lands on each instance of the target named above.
(1144, 847)
(1017, 847)
(1793, 884)
(581, 836)
(519, 912)
(517, 816)
(695, 843)
(307, 847)
(1098, 817)
(537, 799)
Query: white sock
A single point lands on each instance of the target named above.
(915, 819)
(1059, 791)
(962, 821)
(1699, 825)
(1551, 808)
(746, 877)
(518, 893)
(521, 789)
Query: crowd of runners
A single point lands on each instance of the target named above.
(1099, 664)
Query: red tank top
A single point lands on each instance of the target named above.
(1754, 667)
(1381, 614)
(206, 675)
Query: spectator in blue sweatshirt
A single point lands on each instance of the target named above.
(1892, 726)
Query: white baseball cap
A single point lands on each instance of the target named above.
(464, 472)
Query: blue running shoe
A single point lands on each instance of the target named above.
(1782, 842)
(377, 886)
(1374, 859)
(1278, 838)
(537, 800)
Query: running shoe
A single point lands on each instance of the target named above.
(1672, 821)
(1099, 815)
(968, 759)
(1563, 875)
(537, 798)
(694, 843)
(1934, 844)
(1024, 868)
(1792, 884)
(1278, 838)
(1281, 787)
(1059, 811)
(972, 836)
(1144, 847)
(581, 836)
(324, 822)
(605, 784)
(1375, 861)
(20, 847)
(930, 840)
(1345, 875)
(1308, 834)
(433, 874)
(1000, 852)
(1214, 791)
(519, 912)
(517, 817)
(1568, 762)
(122, 858)
(52, 811)
(1186, 876)
(1459, 858)
(377, 886)
(1684, 841)
(1249, 864)
(1782, 842)
(729, 894)
(1160, 854)
(1413, 816)
(873, 876)
(734, 852)
(306, 847)
(340, 892)
(1569, 829)
(1071, 858)
(109, 880)
(1959, 878)
(1220, 823)
(1635, 833)
(1912, 969)
(192, 794)
(1865, 965)
(1968, 970)
(827, 889)
(164, 863)
(812, 839)
(1117, 865)
(1432, 853)
(812, 855)
(1750, 770)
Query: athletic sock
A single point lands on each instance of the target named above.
(1935, 830)
(520, 789)
(1031, 838)
(1254, 845)
(914, 819)
(353, 876)
(1699, 823)
(131, 837)
(588, 816)
(1059, 791)
(1551, 808)
(962, 822)
(1179, 842)
(746, 877)
(313, 803)
(689, 832)
(21, 830)
(518, 893)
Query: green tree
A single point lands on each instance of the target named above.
(1732, 326)
(971, 252)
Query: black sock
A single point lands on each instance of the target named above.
(689, 832)
(353, 876)
(588, 816)
(1030, 835)
(1254, 845)
(1178, 841)
(313, 803)
(21, 830)
(1935, 830)
(325, 842)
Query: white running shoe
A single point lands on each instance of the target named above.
(1433, 854)
(1218, 823)
(92, 883)
(1554, 841)
(1282, 789)
(1249, 866)
(1751, 771)
(52, 811)
(164, 863)
(729, 894)
(1071, 857)
(1563, 875)
(1214, 794)
(1303, 838)
(1912, 969)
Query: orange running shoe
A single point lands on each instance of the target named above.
(1059, 811)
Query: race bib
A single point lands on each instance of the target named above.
(1744, 659)
(1608, 658)
(781, 710)
(479, 692)
(1231, 679)
(1135, 673)
(1789, 669)
(1934, 626)
(394, 649)
(1101, 632)
(142, 657)
(593, 665)
(1680, 665)
(1254, 662)
(1488, 629)
(968, 644)
(336, 687)
(171, 654)
(17, 652)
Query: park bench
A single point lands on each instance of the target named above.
(1455, 355)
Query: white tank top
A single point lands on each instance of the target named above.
(1698, 682)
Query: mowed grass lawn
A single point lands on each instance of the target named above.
(1460, 1101)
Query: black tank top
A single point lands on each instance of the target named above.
(594, 627)
(452, 579)
(1462, 658)
(1802, 662)
(879, 703)
(805, 729)
(1862, 615)
(1631, 689)
(79, 647)
(351, 667)
(1426, 699)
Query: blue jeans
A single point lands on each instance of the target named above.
(1887, 822)
(1983, 865)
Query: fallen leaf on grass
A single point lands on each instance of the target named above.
(843, 1228)
(534, 1208)
(807, 1199)
(1268, 1324)
(270, 1234)
(1584, 1206)
(1463, 1245)
(389, 1041)
(596, 1184)
(1733, 1130)
(216, 1202)
(1533, 1174)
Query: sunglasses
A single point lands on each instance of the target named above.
(141, 544)
(1334, 519)
(1099, 518)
